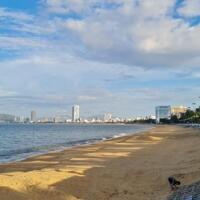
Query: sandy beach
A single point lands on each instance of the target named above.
(131, 167)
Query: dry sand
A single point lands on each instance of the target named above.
(128, 168)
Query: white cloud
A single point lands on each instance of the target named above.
(190, 8)
(64, 6)
(21, 43)
(6, 92)
(78, 6)
(50, 82)
(133, 31)
(83, 98)
(126, 34)
(5, 13)
(104, 57)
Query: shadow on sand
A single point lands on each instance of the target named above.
(103, 171)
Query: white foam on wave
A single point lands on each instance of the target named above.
(120, 135)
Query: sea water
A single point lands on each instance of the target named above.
(19, 141)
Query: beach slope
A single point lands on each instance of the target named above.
(128, 168)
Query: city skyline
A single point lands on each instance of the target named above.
(123, 57)
(162, 112)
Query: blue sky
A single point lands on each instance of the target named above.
(118, 56)
(24, 5)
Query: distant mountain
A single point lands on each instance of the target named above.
(7, 118)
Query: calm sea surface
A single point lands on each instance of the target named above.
(19, 141)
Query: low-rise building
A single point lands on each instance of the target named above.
(178, 110)
(163, 113)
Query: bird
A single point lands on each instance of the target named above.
(173, 182)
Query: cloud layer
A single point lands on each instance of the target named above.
(127, 31)
(107, 56)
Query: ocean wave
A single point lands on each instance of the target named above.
(120, 135)
(11, 139)
(46, 148)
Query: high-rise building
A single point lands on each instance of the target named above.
(107, 117)
(163, 112)
(33, 116)
(75, 113)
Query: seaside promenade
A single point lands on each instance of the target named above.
(128, 168)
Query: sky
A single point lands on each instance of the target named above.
(118, 56)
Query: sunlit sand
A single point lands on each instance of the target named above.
(131, 167)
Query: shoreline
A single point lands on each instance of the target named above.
(133, 167)
(86, 143)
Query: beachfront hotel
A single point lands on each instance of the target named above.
(75, 113)
(178, 110)
(163, 112)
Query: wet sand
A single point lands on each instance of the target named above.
(127, 168)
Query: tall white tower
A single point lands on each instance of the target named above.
(33, 116)
(75, 113)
